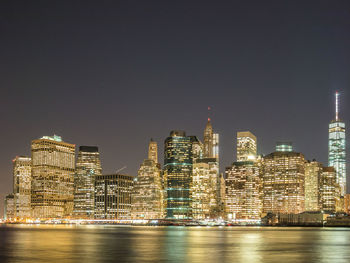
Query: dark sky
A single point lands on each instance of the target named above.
(116, 73)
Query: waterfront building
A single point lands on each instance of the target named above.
(336, 148)
(204, 191)
(347, 204)
(22, 171)
(53, 167)
(10, 208)
(313, 172)
(243, 191)
(178, 165)
(88, 166)
(283, 182)
(330, 190)
(113, 196)
(246, 146)
(147, 194)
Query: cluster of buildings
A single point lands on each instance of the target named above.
(54, 184)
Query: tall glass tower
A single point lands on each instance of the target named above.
(336, 147)
(178, 164)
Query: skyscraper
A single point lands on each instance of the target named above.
(313, 175)
(246, 146)
(208, 144)
(242, 183)
(22, 171)
(329, 190)
(336, 148)
(178, 164)
(113, 196)
(53, 164)
(284, 182)
(147, 193)
(88, 166)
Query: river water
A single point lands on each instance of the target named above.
(62, 243)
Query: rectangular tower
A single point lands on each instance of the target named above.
(88, 166)
(178, 164)
(22, 171)
(246, 146)
(53, 163)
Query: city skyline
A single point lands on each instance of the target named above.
(116, 77)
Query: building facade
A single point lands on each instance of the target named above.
(242, 188)
(313, 173)
(88, 166)
(246, 146)
(53, 167)
(10, 208)
(113, 196)
(178, 165)
(22, 172)
(336, 149)
(283, 183)
(329, 190)
(147, 195)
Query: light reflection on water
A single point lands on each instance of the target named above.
(20, 243)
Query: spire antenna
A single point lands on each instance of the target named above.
(209, 113)
(336, 106)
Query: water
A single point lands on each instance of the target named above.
(19, 243)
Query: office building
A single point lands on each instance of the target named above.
(313, 173)
(178, 165)
(88, 166)
(22, 171)
(10, 208)
(246, 146)
(53, 167)
(147, 194)
(330, 190)
(283, 182)
(336, 148)
(113, 196)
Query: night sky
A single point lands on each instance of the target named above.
(116, 73)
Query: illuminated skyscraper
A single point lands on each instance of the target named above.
(329, 190)
(178, 164)
(336, 148)
(208, 144)
(153, 151)
(22, 171)
(283, 182)
(246, 146)
(53, 164)
(216, 146)
(204, 191)
(147, 193)
(242, 183)
(113, 196)
(88, 166)
(313, 175)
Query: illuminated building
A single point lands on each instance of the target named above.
(204, 191)
(313, 172)
(246, 146)
(113, 196)
(53, 164)
(336, 148)
(284, 147)
(178, 175)
(283, 182)
(9, 208)
(22, 171)
(329, 190)
(347, 204)
(243, 191)
(88, 166)
(242, 181)
(147, 193)
(208, 145)
(153, 151)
